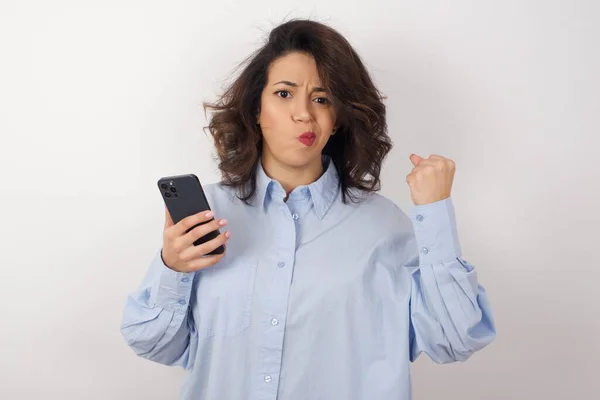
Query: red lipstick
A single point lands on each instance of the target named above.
(307, 138)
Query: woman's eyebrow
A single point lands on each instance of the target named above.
(292, 84)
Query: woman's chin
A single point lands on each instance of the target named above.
(304, 157)
(299, 158)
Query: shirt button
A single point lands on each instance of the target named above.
(185, 280)
(424, 250)
(268, 378)
(274, 322)
(295, 216)
(419, 217)
(305, 190)
(281, 264)
(182, 302)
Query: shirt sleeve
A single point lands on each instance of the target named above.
(450, 314)
(156, 321)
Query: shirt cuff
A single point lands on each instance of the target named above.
(436, 232)
(170, 289)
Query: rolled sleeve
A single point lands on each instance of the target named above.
(436, 232)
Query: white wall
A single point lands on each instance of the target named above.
(100, 98)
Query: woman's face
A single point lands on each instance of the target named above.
(296, 115)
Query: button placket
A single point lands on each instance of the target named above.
(277, 291)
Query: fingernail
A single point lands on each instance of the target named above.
(223, 222)
(209, 214)
(227, 234)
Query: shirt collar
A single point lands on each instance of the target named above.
(323, 191)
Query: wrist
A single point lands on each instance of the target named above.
(165, 262)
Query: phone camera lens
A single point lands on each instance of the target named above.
(163, 185)
(167, 194)
(173, 189)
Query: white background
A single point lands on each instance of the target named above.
(98, 99)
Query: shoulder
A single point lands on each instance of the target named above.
(394, 229)
(217, 190)
(222, 199)
(382, 212)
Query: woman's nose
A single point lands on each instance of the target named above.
(302, 111)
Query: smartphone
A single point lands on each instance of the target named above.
(183, 196)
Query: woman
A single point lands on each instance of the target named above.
(327, 290)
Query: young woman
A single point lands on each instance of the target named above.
(327, 290)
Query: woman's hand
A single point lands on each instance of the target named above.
(179, 252)
(431, 179)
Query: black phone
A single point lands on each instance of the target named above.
(183, 196)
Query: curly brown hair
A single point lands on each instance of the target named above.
(361, 142)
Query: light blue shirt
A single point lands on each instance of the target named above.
(314, 299)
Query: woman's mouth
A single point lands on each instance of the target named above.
(307, 138)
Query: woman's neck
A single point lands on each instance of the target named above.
(291, 177)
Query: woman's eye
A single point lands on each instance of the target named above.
(283, 93)
(322, 100)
